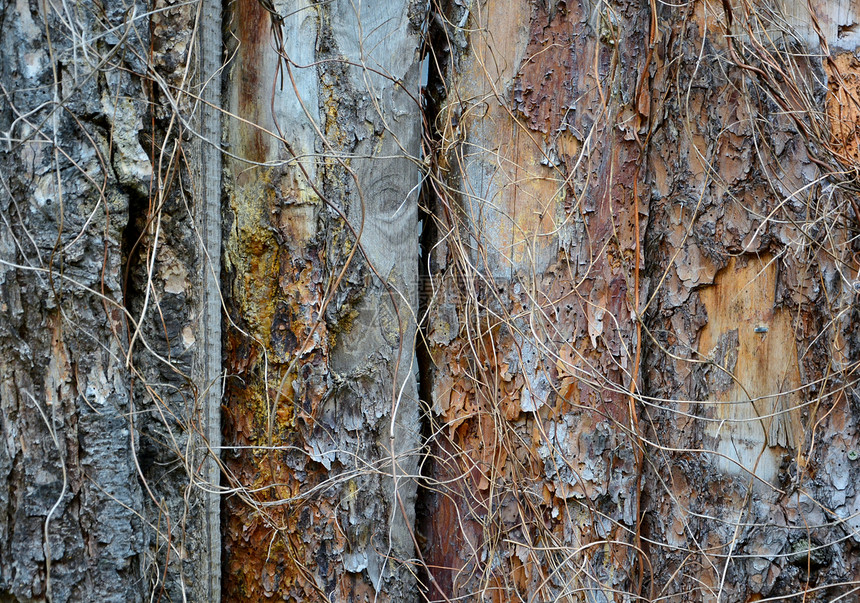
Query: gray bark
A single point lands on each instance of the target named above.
(642, 328)
(208, 361)
(322, 257)
(104, 490)
(70, 522)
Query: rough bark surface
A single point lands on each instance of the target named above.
(532, 385)
(751, 310)
(172, 290)
(641, 337)
(321, 257)
(102, 476)
(70, 526)
(640, 318)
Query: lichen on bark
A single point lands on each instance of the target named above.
(321, 406)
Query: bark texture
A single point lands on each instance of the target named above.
(639, 319)
(102, 474)
(644, 275)
(751, 326)
(321, 259)
(537, 187)
(70, 524)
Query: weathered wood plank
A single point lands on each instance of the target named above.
(322, 259)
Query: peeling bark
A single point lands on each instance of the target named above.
(750, 353)
(321, 255)
(640, 318)
(532, 391)
(103, 434)
(70, 501)
(602, 163)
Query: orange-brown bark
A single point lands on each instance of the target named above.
(320, 404)
(644, 265)
(275, 352)
(537, 381)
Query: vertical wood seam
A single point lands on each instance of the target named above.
(209, 212)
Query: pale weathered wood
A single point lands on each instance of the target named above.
(208, 358)
(322, 259)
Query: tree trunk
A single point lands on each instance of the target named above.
(321, 259)
(109, 352)
(635, 340)
(642, 336)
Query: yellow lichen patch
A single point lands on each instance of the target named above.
(753, 376)
(275, 355)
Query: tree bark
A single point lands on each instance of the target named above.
(321, 259)
(70, 522)
(641, 338)
(533, 391)
(750, 324)
(107, 352)
(630, 371)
